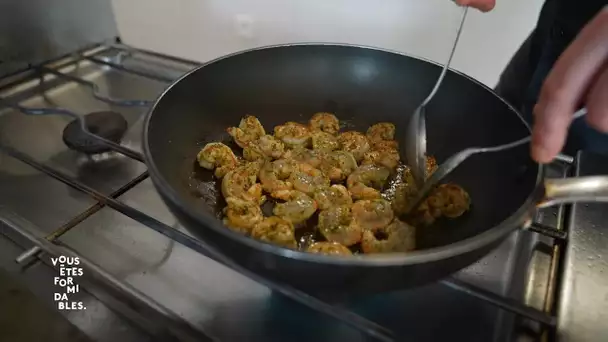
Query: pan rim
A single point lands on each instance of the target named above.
(515, 221)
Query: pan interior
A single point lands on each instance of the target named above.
(361, 86)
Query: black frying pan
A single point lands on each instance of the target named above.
(362, 86)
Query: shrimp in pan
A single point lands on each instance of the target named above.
(218, 156)
(250, 129)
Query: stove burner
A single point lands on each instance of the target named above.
(109, 125)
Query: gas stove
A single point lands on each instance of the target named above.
(65, 193)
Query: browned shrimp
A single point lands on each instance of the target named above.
(323, 141)
(380, 145)
(266, 147)
(218, 156)
(276, 231)
(338, 165)
(450, 200)
(329, 248)
(381, 131)
(431, 166)
(325, 122)
(274, 176)
(403, 194)
(396, 237)
(293, 134)
(303, 155)
(336, 224)
(242, 215)
(456, 201)
(388, 158)
(355, 143)
(373, 214)
(366, 180)
(249, 130)
(298, 207)
(242, 183)
(336, 194)
(307, 179)
(447, 200)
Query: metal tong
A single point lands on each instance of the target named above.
(415, 136)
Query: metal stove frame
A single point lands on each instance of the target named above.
(174, 325)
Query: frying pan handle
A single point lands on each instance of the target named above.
(576, 189)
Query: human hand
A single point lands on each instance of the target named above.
(482, 5)
(578, 78)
